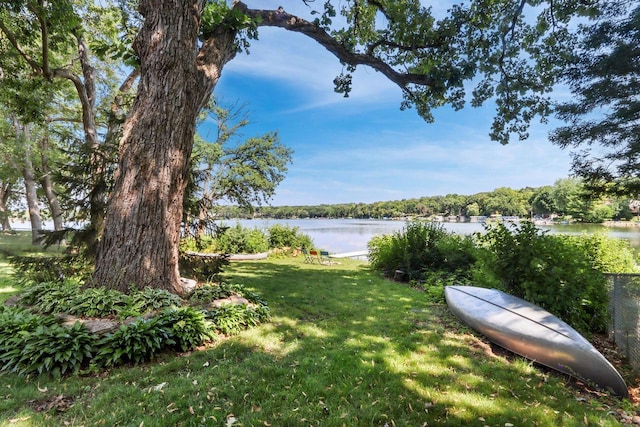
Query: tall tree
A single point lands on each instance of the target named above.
(568, 196)
(183, 46)
(603, 115)
(9, 175)
(24, 141)
(45, 45)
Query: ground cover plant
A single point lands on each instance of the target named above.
(55, 326)
(149, 322)
(344, 347)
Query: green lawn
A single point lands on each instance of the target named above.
(344, 348)
(18, 243)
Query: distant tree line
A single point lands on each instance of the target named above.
(568, 199)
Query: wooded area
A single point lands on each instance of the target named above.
(568, 199)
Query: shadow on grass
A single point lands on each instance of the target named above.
(360, 350)
(344, 347)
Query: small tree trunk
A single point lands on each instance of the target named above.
(140, 243)
(47, 187)
(31, 193)
(5, 193)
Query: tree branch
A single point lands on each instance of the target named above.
(280, 18)
(44, 32)
(14, 42)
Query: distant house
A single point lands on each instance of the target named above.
(477, 218)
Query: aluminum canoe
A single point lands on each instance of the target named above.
(532, 332)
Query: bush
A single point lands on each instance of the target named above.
(209, 292)
(15, 324)
(54, 349)
(152, 300)
(551, 271)
(203, 243)
(98, 302)
(241, 240)
(188, 327)
(607, 254)
(37, 343)
(421, 247)
(283, 236)
(434, 283)
(51, 297)
(31, 343)
(135, 342)
(231, 319)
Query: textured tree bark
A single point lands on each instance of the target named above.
(139, 246)
(47, 187)
(5, 193)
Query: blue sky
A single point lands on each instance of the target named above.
(363, 148)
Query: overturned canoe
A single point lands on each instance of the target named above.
(232, 257)
(532, 332)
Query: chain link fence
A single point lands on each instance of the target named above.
(624, 305)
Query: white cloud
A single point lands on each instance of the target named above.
(421, 168)
(362, 149)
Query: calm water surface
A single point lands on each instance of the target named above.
(348, 235)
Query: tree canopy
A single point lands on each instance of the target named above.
(509, 53)
(603, 115)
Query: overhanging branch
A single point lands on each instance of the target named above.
(280, 18)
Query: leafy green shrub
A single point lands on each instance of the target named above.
(231, 319)
(434, 282)
(242, 240)
(209, 292)
(152, 300)
(54, 349)
(32, 343)
(457, 253)
(548, 270)
(52, 297)
(420, 247)
(204, 243)
(284, 236)
(98, 302)
(188, 327)
(135, 342)
(15, 324)
(607, 254)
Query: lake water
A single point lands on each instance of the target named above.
(349, 235)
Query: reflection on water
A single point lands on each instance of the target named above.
(348, 235)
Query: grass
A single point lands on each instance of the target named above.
(17, 243)
(344, 348)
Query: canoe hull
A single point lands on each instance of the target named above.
(530, 331)
(232, 257)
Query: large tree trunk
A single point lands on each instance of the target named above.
(139, 246)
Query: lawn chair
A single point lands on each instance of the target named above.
(307, 256)
(314, 255)
(324, 258)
